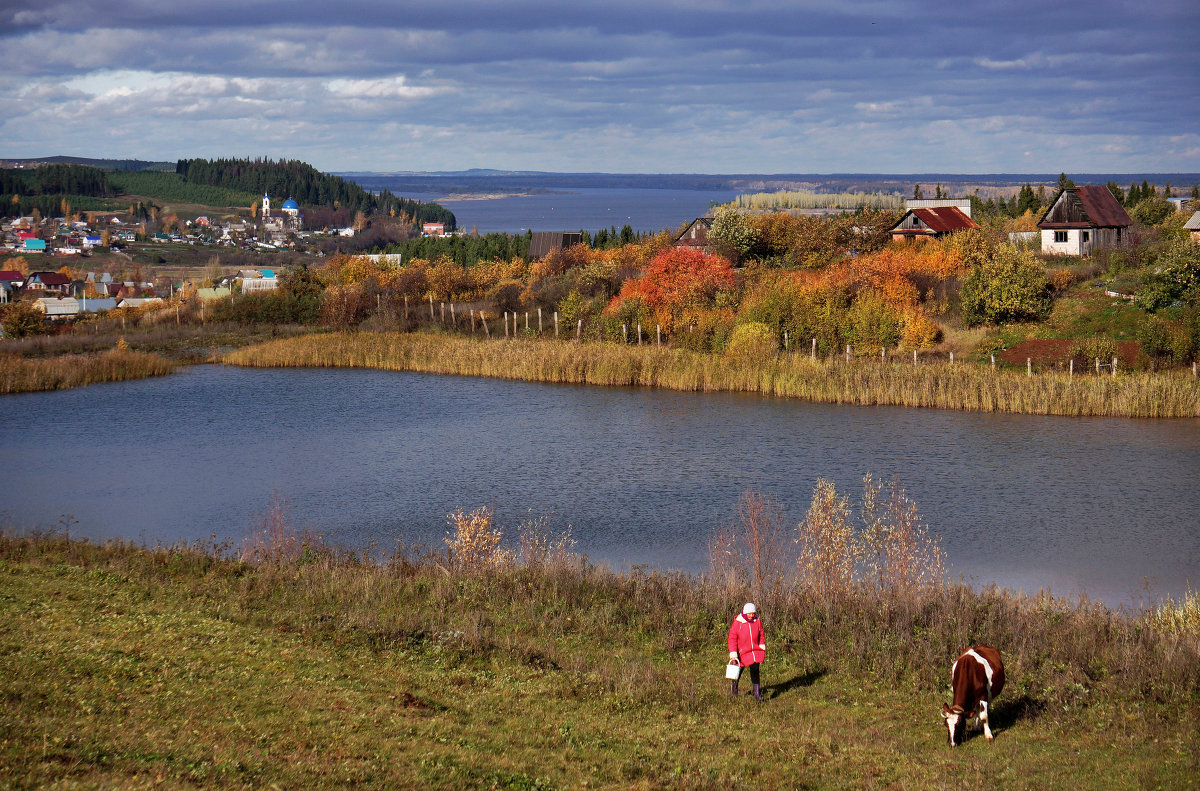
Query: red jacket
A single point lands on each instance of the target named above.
(746, 637)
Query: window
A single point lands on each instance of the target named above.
(1060, 237)
(1087, 236)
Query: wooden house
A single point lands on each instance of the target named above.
(542, 243)
(695, 235)
(1082, 220)
(1192, 226)
(931, 222)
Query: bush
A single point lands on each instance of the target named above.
(871, 323)
(1099, 347)
(20, 319)
(1176, 276)
(752, 343)
(1009, 286)
(1163, 341)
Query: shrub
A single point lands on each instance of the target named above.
(753, 343)
(1009, 286)
(1097, 347)
(828, 552)
(21, 319)
(1176, 276)
(1162, 340)
(473, 543)
(871, 323)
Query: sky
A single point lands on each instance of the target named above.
(616, 86)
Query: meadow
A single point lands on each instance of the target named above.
(863, 381)
(519, 665)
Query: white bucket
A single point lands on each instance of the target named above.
(732, 671)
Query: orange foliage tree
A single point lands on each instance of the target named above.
(677, 280)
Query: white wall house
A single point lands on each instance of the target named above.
(1082, 220)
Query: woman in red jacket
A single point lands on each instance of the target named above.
(747, 647)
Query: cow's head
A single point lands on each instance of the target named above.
(956, 721)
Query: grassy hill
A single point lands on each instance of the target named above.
(307, 667)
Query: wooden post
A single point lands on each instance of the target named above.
(472, 321)
(814, 349)
(431, 307)
(624, 333)
(556, 325)
(578, 329)
(527, 321)
(406, 307)
(176, 314)
(1029, 366)
(658, 331)
(1193, 370)
(883, 353)
(993, 362)
(1071, 370)
(847, 352)
(123, 324)
(539, 321)
(952, 358)
(914, 356)
(506, 324)
(443, 312)
(639, 334)
(453, 318)
(785, 340)
(377, 303)
(483, 318)
(1114, 366)
(1097, 366)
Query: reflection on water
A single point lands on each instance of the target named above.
(641, 476)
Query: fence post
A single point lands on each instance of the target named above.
(639, 333)
(527, 321)
(785, 340)
(1029, 366)
(453, 318)
(506, 325)
(1114, 366)
(177, 313)
(483, 318)
(556, 325)
(377, 303)
(952, 358)
(847, 352)
(882, 352)
(993, 361)
(625, 333)
(578, 329)
(1097, 366)
(658, 330)
(1071, 370)
(472, 321)
(814, 349)
(1193, 370)
(539, 321)
(442, 310)
(431, 316)
(406, 307)
(914, 356)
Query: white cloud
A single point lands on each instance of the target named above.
(396, 87)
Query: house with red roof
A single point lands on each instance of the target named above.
(930, 223)
(54, 282)
(1082, 220)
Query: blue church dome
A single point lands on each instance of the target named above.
(290, 204)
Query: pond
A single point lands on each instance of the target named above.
(1106, 507)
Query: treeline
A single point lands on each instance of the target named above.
(55, 180)
(172, 187)
(307, 186)
(469, 250)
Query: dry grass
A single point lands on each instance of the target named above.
(864, 382)
(22, 375)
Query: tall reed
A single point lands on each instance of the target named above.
(930, 384)
(22, 375)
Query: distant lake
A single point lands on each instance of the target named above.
(641, 476)
(583, 208)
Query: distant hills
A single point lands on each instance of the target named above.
(102, 164)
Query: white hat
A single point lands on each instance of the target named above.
(749, 608)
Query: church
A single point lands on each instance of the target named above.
(290, 218)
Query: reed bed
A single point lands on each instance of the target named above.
(803, 199)
(24, 374)
(942, 385)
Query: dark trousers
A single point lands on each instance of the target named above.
(753, 673)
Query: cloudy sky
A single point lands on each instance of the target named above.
(613, 86)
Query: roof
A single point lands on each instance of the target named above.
(1192, 225)
(12, 275)
(290, 204)
(1085, 207)
(542, 243)
(941, 219)
(51, 278)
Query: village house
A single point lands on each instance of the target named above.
(433, 229)
(1192, 226)
(695, 235)
(542, 243)
(50, 282)
(1082, 220)
(931, 222)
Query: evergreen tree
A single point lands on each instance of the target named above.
(1116, 191)
(1064, 182)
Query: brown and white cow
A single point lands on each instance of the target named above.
(977, 677)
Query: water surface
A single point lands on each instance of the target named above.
(1095, 505)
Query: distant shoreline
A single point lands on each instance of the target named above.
(496, 195)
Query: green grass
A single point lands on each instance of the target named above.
(173, 668)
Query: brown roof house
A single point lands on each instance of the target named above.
(1193, 226)
(929, 223)
(695, 235)
(542, 243)
(1082, 220)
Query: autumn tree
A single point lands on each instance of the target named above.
(1009, 286)
(676, 280)
(731, 234)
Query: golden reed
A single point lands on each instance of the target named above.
(941, 385)
(24, 374)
